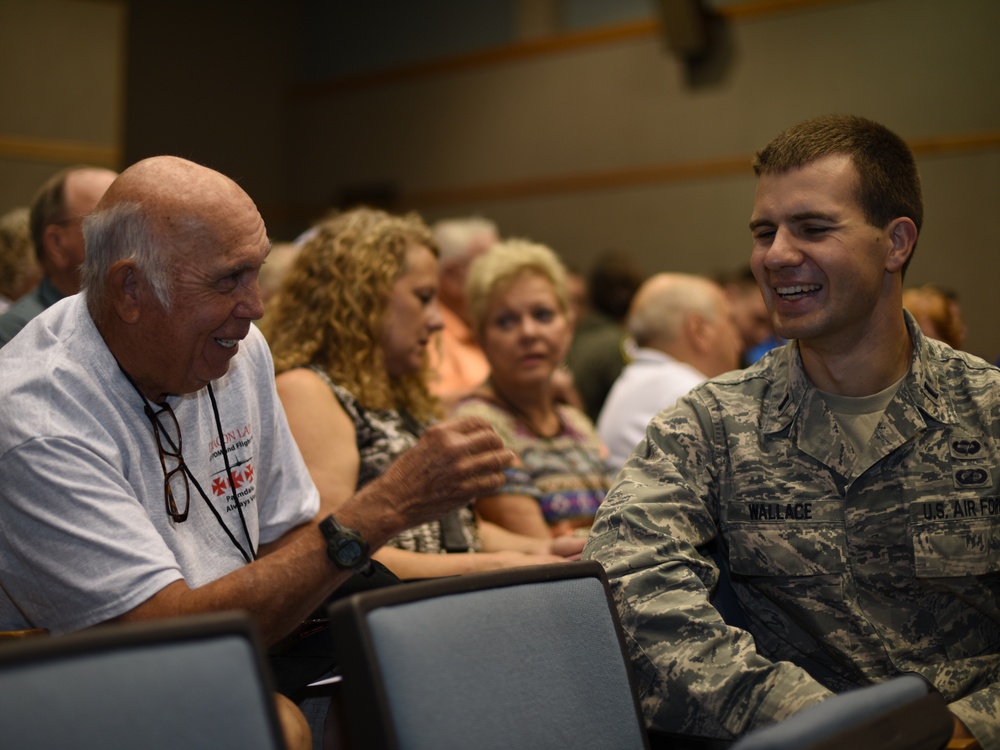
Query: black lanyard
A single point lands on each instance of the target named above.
(151, 413)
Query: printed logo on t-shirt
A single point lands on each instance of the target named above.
(239, 449)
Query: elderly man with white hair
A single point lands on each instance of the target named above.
(684, 330)
(148, 468)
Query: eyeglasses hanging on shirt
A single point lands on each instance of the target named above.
(167, 428)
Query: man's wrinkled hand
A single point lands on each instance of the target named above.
(454, 462)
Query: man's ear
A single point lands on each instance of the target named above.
(123, 291)
(54, 252)
(903, 235)
(695, 328)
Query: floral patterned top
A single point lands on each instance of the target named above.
(566, 473)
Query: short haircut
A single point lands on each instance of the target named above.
(458, 238)
(49, 206)
(505, 262)
(888, 183)
(123, 231)
(659, 310)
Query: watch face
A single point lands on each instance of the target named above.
(350, 552)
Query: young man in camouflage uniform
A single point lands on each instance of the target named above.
(846, 484)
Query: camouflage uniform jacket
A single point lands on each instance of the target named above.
(846, 574)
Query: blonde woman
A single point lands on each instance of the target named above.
(520, 307)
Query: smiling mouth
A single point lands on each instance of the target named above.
(227, 343)
(798, 291)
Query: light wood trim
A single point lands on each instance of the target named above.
(953, 144)
(733, 166)
(8, 635)
(559, 44)
(757, 8)
(604, 180)
(481, 59)
(59, 152)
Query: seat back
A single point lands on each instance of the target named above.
(194, 683)
(899, 714)
(527, 658)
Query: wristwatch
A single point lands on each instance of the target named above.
(345, 546)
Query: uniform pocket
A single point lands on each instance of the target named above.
(956, 538)
(786, 538)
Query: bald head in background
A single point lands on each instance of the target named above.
(457, 362)
(688, 317)
(683, 328)
(56, 219)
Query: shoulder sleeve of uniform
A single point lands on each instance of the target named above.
(979, 712)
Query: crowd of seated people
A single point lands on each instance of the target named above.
(343, 435)
(350, 332)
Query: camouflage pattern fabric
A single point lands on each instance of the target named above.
(847, 573)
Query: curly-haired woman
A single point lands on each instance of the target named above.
(349, 332)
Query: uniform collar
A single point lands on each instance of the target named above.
(792, 393)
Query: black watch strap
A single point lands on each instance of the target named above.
(346, 547)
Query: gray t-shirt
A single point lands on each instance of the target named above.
(85, 535)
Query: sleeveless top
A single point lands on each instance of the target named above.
(382, 436)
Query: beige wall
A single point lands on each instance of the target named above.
(583, 146)
(61, 89)
(594, 114)
(207, 81)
